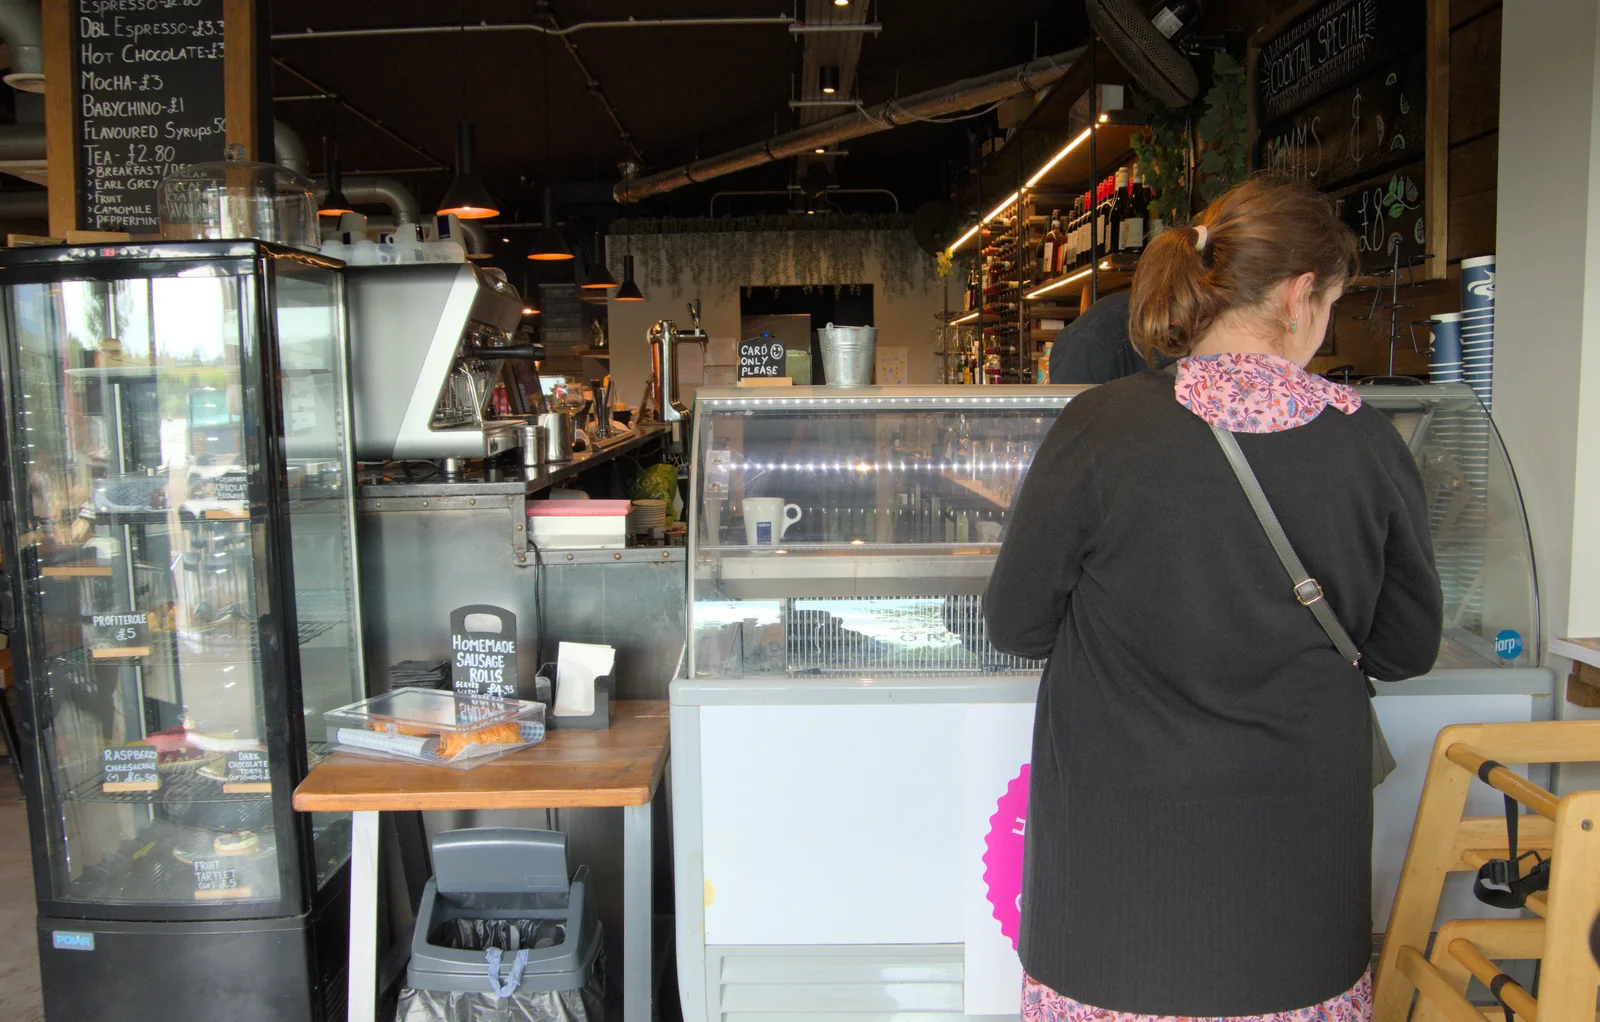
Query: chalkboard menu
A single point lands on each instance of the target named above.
(1354, 132)
(1332, 44)
(1385, 212)
(483, 651)
(762, 356)
(130, 768)
(148, 98)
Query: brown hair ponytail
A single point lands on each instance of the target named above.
(1264, 231)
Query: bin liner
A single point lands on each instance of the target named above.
(586, 1004)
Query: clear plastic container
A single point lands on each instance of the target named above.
(239, 198)
(439, 728)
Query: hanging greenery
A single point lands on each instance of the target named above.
(727, 253)
(1221, 130)
(1219, 136)
(1163, 153)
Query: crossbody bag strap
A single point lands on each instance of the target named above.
(1306, 589)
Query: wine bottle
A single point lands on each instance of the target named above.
(1133, 223)
(1175, 19)
(1049, 255)
(1117, 208)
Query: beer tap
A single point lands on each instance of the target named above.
(664, 340)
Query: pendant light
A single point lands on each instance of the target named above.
(548, 246)
(828, 78)
(629, 291)
(467, 198)
(334, 203)
(598, 278)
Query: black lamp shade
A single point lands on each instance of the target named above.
(467, 198)
(629, 291)
(598, 278)
(828, 78)
(549, 246)
(334, 203)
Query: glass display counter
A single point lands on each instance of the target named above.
(850, 752)
(854, 531)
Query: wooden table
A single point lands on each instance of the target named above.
(620, 767)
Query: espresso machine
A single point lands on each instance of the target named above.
(437, 372)
(662, 392)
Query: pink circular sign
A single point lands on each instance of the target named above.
(1002, 857)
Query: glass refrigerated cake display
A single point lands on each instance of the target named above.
(844, 734)
(181, 560)
(876, 516)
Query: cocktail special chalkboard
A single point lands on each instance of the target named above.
(147, 99)
(1330, 45)
(1374, 124)
(1387, 212)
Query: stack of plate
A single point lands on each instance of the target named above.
(647, 515)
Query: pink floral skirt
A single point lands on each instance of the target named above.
(1041, 1004)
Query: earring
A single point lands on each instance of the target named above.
(1294, 326)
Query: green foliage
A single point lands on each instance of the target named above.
(1221, 130)
(1220, 140)
(1163, 153)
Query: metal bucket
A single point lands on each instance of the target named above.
(848, 354)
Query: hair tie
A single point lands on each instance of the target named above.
(1201, 236)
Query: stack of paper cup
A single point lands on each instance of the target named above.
(1444, 354)
(1477, 326)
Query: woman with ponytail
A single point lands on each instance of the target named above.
(1200, 820)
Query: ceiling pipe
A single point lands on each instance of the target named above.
(949, 99)
(21, 29)
(795, 26)
(291, 152)
(24, 205)
(364, 190)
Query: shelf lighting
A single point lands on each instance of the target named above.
(1058, 157)
(1010, 199)
(1063, 282)
(969, 317)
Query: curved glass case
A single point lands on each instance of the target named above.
(853, 531)
(182, 561)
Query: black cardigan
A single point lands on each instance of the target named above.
(1200, 819)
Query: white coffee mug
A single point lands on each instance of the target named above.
(766, 519)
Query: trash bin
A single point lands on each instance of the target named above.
(502, 935)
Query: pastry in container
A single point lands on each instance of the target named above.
(441, 728)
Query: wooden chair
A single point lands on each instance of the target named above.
(1567, 830)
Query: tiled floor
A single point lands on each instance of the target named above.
(19, 949)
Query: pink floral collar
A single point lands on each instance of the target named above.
(1251, 393)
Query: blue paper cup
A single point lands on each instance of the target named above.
(1477, 284)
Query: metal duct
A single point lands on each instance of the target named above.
(24, 205)
(21, 142)
(21, 29)
(940, 102)
(364, 189)
(290, 151)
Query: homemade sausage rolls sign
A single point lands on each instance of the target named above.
(761, 356)
(147, 99)
(483, 651)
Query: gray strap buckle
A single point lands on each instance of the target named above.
(1308, 592)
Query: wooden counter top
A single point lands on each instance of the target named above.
(621, 766)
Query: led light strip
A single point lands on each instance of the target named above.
(1038, 176)
(969, 317)
(1058, 157)
(1063, 282)
(1010, 199)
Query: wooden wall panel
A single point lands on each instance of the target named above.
(1475, 78)
(1465, 10)
(1474, 187)
(60, 150)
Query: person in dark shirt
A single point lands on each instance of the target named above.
(1096, 347)
(1199, 838)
